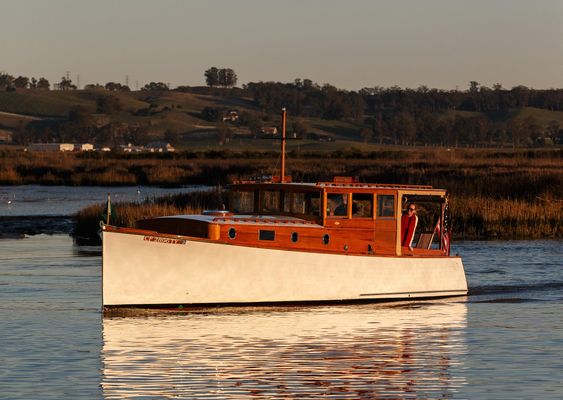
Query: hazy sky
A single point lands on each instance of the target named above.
(350, 44)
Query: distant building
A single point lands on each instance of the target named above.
(52, 147)
(105, 149)
(131, 148)
(269, 131)
(160, 147)
(83, 147)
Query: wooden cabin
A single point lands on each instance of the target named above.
(342, 217)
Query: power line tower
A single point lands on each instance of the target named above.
(127, 80)
(78, 81)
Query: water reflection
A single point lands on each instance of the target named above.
(398, 351)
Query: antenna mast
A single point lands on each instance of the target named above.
(282, 177)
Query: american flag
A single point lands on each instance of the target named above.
(446, 229)
(443, 230)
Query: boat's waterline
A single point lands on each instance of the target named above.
(142, 270)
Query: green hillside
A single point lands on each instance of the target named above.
(156, 112)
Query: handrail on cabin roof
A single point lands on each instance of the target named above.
(337, 185)
(374, 185)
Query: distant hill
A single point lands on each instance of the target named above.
(182, 112)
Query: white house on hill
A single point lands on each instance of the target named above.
(160, 147)
(53, 147)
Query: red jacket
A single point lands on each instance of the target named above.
(408, 226)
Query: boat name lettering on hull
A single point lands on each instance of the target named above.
(164, 240)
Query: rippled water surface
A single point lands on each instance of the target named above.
(504, 341)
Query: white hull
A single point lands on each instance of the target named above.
(137, 271)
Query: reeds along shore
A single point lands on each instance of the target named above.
(518, 174)
(495, 193)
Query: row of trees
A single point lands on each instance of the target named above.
(9, 82)
(428, 128)
(306, 98)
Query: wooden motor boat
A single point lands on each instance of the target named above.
(285, 242)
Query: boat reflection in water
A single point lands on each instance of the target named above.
(355, 351)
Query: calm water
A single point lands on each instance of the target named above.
(505, 341)
(29, 200)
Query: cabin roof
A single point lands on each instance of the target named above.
(328, 185)
(253, 219)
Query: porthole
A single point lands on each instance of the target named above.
(232, 233)
(326, 238)
(345, 247)
(294, 237)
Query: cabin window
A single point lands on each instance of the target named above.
(294, 237)
(242, 202)
(267, 235)
(232, 233)
(386, 206)
(313, 203)
(336, 205)
(294, 203)
(270, 201)
(362, 205)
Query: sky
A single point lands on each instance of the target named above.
(350, 44)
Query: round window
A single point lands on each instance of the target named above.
(294, 237)
(326, 238)
(232, 233)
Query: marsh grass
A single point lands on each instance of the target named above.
(486, 218)
(498, 193)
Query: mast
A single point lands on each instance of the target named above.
(282, 172)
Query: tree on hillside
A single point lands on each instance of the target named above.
(65, 84)
(227, 77)
(378, 127)
(211, 114)
(212, 76)
(300, 128)
(43, 83)
(21, 82)
(153, 86)
(473, 86)
(113, 86)
(403, 127)
(6, 81)
(80, 126)
(108, 105)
